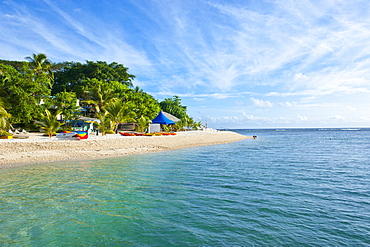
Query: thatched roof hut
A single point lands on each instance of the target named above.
(170, 117)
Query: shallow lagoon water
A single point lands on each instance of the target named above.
(293, 187)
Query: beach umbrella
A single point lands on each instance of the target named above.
(162, 119)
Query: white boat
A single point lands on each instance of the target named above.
(65, 135)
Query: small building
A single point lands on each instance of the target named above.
(159, 120)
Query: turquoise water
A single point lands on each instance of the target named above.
(286, 188)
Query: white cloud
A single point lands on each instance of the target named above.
(350, 108)
(261, 103)
(300, 76)
(256, 119)
(288, 104)
(315, 54)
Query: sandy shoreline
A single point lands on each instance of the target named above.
(39, 149)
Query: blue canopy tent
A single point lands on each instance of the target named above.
(162, 119)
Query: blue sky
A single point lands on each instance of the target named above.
(234, 63)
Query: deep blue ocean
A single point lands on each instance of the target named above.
(307, 187)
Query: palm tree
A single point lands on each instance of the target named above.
(189, 122)
(4, 118)
(119, 112)
(41, 65)
(100, 95)
(178, 126)
(40, 62)
(143, 123)
(49, 123)
(138, 90)
(104, 121)
(197, 125)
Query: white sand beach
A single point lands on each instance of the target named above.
(41, 149)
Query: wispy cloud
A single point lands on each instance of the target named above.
(299, 55)
(75, 37)
(309, 48)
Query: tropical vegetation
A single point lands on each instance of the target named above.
(38, 92)
(174, 107)
(49, 123)
(4, 120)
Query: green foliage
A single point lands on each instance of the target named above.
(49, 123)
(99, 93)
(197, 126)
(167, 128)
(180, 125)
(4, 118)
(22, 92)
(143, 103)
(72, 77)
(120, 112)
(173, 106)
(143, 123)
(26, 89)
(41, 66)
(4, 133)
(104, 124)
(15, 64)
(66, 103)
(189, 122)
(39, 62)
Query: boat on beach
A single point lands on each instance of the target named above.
(21, 136)
(65, 135)
(146, 134)
(73, 135)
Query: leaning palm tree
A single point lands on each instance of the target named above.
(119, 112)
(49, 123)
(4, 119)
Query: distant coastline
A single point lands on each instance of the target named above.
(303, 129)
